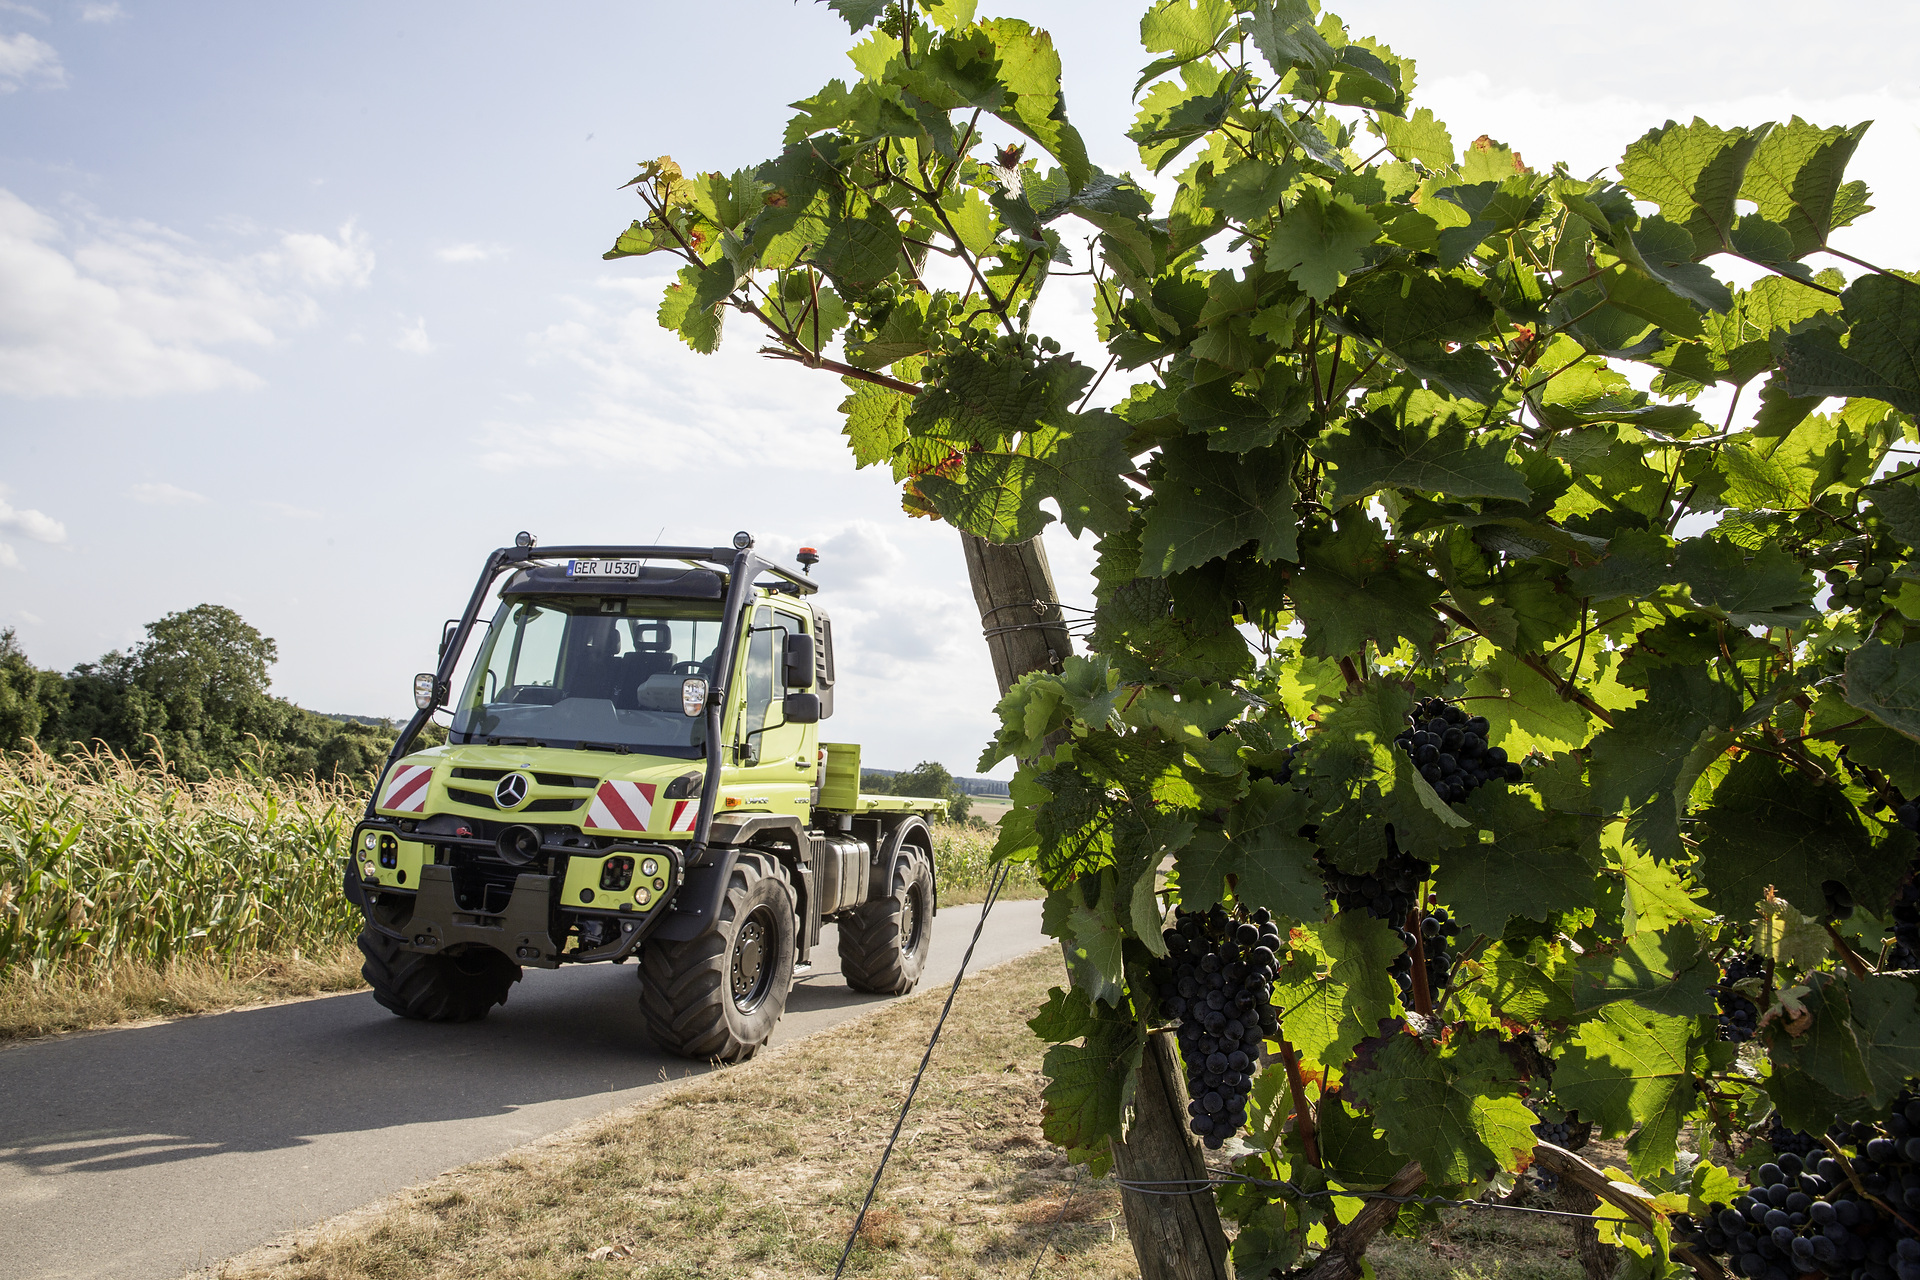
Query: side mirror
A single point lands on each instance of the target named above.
(423, 690)
(693, 696)
(799, 662)
(801, 708)
(446, 634)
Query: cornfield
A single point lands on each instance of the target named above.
(104, 861)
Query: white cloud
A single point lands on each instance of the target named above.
(413, 339)
(100, 307)
(646, 400)
(287, 509)
(329, 264)
(101, 13)
(29, 523)
(470, 252)
(161, 494)
(14, 6)
(25, 60)
(8, 560)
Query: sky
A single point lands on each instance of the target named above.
(302, 309)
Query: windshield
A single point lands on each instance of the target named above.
(559, 672)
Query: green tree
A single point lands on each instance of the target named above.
(29, 697)
(931, 779)
(1387, 441)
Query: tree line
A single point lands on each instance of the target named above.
(193, 696)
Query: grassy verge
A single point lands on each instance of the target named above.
(757, 1171)
(960, 860)
(134, 991)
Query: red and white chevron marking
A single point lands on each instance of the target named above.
(406, 790)
(684, 812)
(621, 806)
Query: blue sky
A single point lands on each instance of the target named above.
(302, 308)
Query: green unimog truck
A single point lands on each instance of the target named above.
(633, 769)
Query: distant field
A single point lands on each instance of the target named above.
(990, 810)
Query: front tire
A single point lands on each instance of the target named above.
(460, 987)
(884, 944)
(718, 997)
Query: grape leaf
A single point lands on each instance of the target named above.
(1638, 760)
(1693, 172)
(1638, 562)
(1283, 31)
(1764, 588)
(1352, 588)
(1319, 240)
(1771, 825)
(1533, 987)
(1089, 1088)
(1455, 1108)
(876, 421)
(1323, 1016)
(1351, 1149)
(1531, 868)
(1067, 1015)
(1207, 504)
(1880, 358)
(1628, 1066)
(1666, 973)
(1272, 863)
(1795, 176)
(1372, 453)
(1419, 137)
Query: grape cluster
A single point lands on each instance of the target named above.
(1451, 750)
(1217, 980)
(1388, 892)
(1437, 932)
(1862, 589)
(1739, 1017)
(1804, 1216)
(1567, 1133)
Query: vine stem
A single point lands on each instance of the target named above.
(1534, 662)
(1855, 964)
(1302, 1109)
(1422, 993)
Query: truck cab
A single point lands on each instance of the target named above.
(633, 769)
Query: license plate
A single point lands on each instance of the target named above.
(603, 568)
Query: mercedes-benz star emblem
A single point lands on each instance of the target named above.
(510, 791)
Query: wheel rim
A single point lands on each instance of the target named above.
(751, 972)
(913, 921)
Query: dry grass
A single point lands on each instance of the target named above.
(135, 990)
(757, 1171)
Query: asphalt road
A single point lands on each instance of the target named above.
(149, 1151)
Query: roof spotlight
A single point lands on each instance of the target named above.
(742, 540)
(524, 539)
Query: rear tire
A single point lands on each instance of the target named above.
(718, 997)
(460, 987)
(884, 944)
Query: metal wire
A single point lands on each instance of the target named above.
(993, 893)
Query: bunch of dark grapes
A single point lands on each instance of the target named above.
(1739, 1016)
(1437, 932)
(1217, 980)
(1567, 1133)
(1451, 750)
(1905, 910)
(1804, 1216)
(1388, 892)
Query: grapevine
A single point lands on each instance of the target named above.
(1400, 446)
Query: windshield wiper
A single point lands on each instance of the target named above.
(515, 742)
(617, 748)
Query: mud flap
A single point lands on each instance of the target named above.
(697, 906)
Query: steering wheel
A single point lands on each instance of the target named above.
(687, 668)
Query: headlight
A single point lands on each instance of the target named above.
(642, 897)
(369, 842)
(368, 868)
(649, 867)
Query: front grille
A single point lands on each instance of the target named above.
(480, 800)
(480, 775)
(565, 780)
